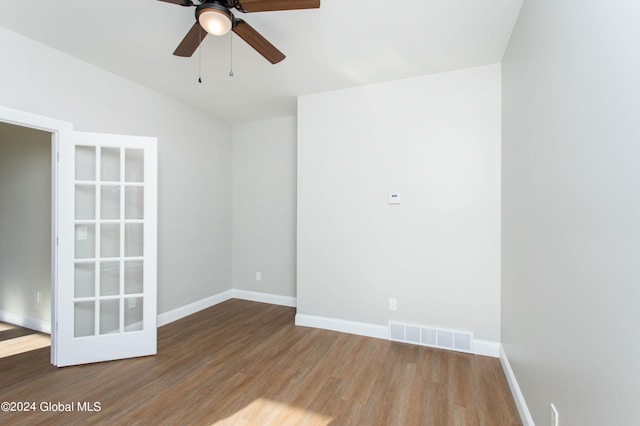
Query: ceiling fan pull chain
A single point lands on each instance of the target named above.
(230, 54)
(200, 57)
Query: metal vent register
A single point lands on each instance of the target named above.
(429, 336)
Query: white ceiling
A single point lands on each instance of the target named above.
(345, 43)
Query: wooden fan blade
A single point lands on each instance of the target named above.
(191, 41)
(259, 43)
(269, 5)
(179, 2)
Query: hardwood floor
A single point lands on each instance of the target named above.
(15, 340)
(246, 363)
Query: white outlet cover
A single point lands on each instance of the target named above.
(393, 304)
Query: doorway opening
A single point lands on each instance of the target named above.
(103, 242)
(26, 249)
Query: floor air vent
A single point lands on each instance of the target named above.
(428, 336)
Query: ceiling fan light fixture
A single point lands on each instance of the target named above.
(214, 18)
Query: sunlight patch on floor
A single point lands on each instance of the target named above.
(268, 412)
(22, 344)
(4, 326)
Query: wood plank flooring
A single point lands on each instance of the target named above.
(15, 340)
(246, 363)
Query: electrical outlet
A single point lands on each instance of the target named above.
(81, 233)
(258, 276)
(554, 420)
(393, 304)
(38, 297)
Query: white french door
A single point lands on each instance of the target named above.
(105, 302)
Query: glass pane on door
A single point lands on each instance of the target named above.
(85, 277)
(110, 316)
(109, 278)
(110, 164)
(134, 202)
(133, 274)
(134, 165)
(109, 240)
(133, 240)
(85, 162)
(85, 202)
(110, 202)
(133, 314)
(109, 228)
(85, 241)
(107, 248)
(84, 317)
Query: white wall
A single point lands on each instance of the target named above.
(571, 209)
(435, 140)
(25, 224)
(264, 206)
(194, 155)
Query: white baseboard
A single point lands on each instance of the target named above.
(480, 347)
(166, 317)
(344, 326)
(273, 299)
(521, 404)
(186, 310)
(26, 322)
(486, 348)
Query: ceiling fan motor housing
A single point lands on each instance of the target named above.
(215, 17)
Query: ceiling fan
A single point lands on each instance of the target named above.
(215, 17)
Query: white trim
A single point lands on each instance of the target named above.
(486, 348)
(34, 121)
(60, 131)
(521, 404)
(25, 321)
(186, 310)
(344, 326)
(273, 299)
(190, 309)
(480, 347)
(55, 150)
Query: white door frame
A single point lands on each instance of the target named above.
(59, 131)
